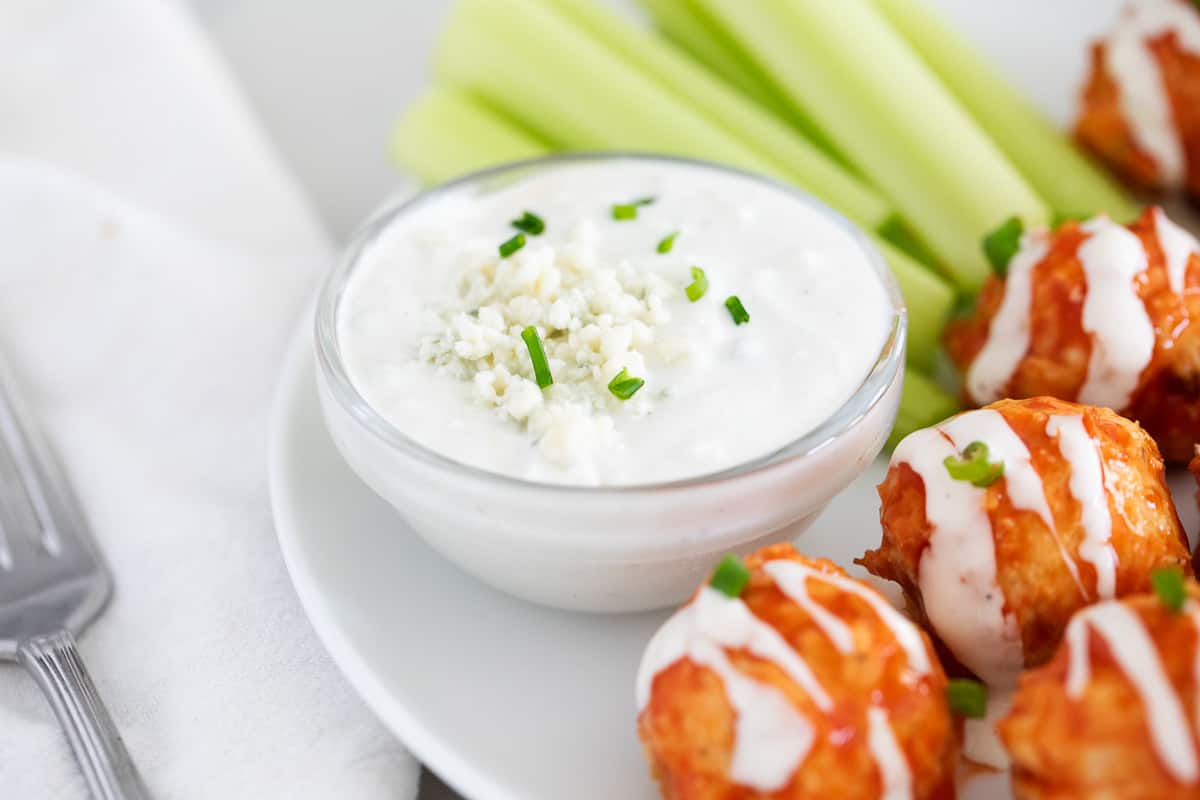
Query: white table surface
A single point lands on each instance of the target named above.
(329, 79)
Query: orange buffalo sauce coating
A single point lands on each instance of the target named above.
(1033, 564)
(1102, 126)
(1114, 713)
(1166, 400)
(882, 730)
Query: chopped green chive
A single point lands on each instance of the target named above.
(974, 466)
(530, 223)
(1168, 585)
(699, 287)
(964, 305)
(1002, 244)
(668, 241)
(537, 354)
(624, 211)
(730, 577)
(967, 698)
(736, 309)
(624, 385)
(512, 245)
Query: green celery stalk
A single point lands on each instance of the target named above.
(892, 118)
(446, 133)
(1061, 173)
(687, 31)
(793, 157)
(688, 27)
(534, 65)
(422, 146)
(922, 404)
(929, 300)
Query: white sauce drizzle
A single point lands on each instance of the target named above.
(893, 766)
(1022, 482)
(1008, 334)
(1145, 103)
(791, 576)
(1178, 247)
(794, 584)
(727, 622)
(957, 573)
(772, 736)
(1114, 315)
(1087, 486)
(1135, 653)
(981, 743)
(1122, 334)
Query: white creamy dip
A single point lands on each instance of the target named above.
(1138, 75)
(430, 324)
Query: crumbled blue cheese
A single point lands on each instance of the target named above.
(429, 325)
(594, 319)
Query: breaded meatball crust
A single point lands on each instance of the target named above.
(1114, 713)
(1098, 313)
(1081, 513)
(1141, 104)
(808, 685)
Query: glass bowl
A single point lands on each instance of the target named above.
(588, 548)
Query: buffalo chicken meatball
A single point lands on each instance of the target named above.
(1000, 523)
(1113, 715)
(1141, 104)
(804, 684)
(1099, 313)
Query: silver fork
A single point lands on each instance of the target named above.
(53, 583)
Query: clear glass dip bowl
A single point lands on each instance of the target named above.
(600, 548)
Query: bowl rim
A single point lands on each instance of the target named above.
(887, 369)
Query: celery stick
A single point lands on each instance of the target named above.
(680, 25)
(792, 156)
(929, 300)
(688, 26)
(922, 404)
(445, 134)
(534, 65)
(1061, 173)
(891, 117)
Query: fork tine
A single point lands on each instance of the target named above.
(23, 502)
(18, 523)
(6, 561)
(11, 501)
(54, 583)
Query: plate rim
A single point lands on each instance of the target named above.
(426, 748)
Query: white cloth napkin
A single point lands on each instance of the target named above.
(154, 260)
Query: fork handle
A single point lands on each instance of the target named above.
(55, 664)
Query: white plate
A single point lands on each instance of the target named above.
(501, 698)
(508, 700)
